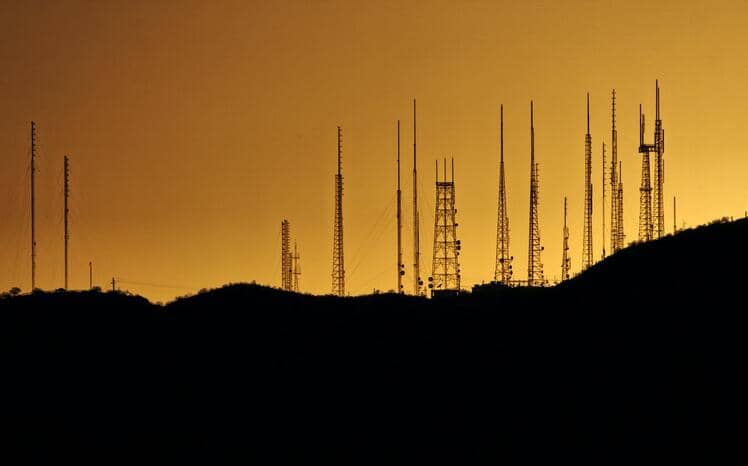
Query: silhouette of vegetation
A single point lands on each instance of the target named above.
(640, 357)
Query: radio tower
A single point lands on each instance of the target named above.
(587, 239)
(286, 257)
(645, 191)
(400, 265)
(296, 268)
(66, 211)
(659, 173)
(503, 269)
(338, 270)
(565, 259)
(445, 274)
(416, 242)
(534, 264)
(620, 236)
(657, 209)
(604, 185)
(616, 220)
(33, 207)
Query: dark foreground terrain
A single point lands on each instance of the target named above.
(641, 358)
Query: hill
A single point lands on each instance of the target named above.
(641, 357)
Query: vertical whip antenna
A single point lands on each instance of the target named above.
(66, 212)
(565, 259)
(33, 206)
(400, 266)
(416, 221)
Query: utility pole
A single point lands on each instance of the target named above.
(338, 267)
(67, 211)
(587, 239)
(675, 225)
(400, 266)
(90, 275)
(503, 266)
(33, 207)
(114, 285)
(416, 241)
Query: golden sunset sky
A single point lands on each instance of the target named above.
(194, 128)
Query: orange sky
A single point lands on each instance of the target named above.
(194, 128)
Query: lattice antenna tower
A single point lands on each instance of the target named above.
(534, 263)
(565, 259)
(604, 190)
(503, 268)
(445, 272)
(296, 268)
(338, 268)
(616, 222)
(619, 231)
(645, 189)
(658, 199)
(286, 256)
(587, 239)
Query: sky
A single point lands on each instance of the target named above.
(195, 128)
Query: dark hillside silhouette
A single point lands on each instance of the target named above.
(639, 358)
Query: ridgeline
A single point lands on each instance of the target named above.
(641, 357)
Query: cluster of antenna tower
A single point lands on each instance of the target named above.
(651, 211)
(66, 211)
(445, 274)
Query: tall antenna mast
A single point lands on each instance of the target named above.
(400, 267)
(503, 266)
(659, 173)
(587, 239)
(33, 207)
(338, 269)
(296, 268)
(604, 185)
(534, 264)
(416, 246)
(616, 222)
(90, 275)
(67, 195)
(286, 256)
(619, 231)
(645, 190)
(675, 224)
(565, 259)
